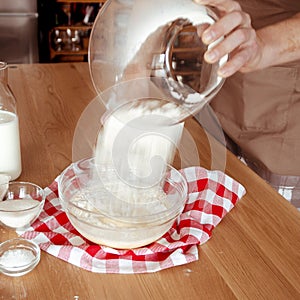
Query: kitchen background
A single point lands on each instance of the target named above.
(33, 31)
(44, 31)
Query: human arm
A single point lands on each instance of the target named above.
(250, 50)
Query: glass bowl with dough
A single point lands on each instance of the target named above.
(109, 210)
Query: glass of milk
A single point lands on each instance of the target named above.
(10, 153)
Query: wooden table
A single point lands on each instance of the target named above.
(254, 253)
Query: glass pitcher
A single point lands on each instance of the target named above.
(10, 153)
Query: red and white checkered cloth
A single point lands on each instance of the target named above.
(211, 195)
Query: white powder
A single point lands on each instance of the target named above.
(18, 213)
(138, 142)
(133, 148)
(15, 258)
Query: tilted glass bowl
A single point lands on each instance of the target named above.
(159, 41)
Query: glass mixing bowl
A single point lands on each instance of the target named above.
(108, 211)
(158, 41)
(18, 257)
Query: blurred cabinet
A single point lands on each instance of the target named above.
(68, 38)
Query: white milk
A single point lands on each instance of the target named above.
(19, 213)
(10, 153)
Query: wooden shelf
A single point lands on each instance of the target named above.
(70, 52)
(73, 27)
(66, 54)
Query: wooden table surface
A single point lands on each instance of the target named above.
(254, 253)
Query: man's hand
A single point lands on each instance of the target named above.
(240, 39)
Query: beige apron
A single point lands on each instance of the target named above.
(260, 111)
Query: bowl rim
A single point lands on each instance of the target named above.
(164, 216)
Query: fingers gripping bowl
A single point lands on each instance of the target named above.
(109, 211)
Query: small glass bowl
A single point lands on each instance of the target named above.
(18, 257)
(21, 205)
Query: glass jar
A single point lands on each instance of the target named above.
(10, 153)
